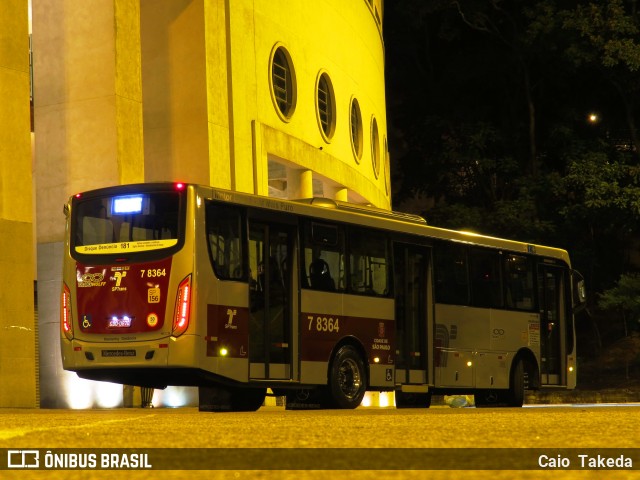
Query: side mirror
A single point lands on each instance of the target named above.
(579, 292)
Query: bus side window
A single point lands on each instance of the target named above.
(224, 230)
(323, 262)
(451, 274)
(368, 263)
(519, 288)
(486, 282)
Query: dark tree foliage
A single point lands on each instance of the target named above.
(489, 105)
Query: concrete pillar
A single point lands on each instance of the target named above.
(337, 193)
(299, 183)
(17, 324)
(174, 76)
(88, 134)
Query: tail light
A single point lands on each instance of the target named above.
(183, 307)
(66, 321)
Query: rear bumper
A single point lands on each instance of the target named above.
(167, 352)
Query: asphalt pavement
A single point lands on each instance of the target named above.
(333, 442)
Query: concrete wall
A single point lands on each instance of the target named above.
(209, 115)
(17, 326)
(88, 134)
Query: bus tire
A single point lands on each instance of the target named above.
(347, 378)
(413, 400)
(247, 399)
(515, 397)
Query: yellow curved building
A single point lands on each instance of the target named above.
(274, 97)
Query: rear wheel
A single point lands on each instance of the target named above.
(515, 397)
(247, 399)
(347, 378)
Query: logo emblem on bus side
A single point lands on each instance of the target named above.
(91, 280)
(231, 313)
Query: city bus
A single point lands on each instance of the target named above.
(317, 300)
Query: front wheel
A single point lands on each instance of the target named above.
(515, 397)
(347, 378)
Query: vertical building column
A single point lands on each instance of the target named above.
(337, 193)
(17, 321)
(88, 134)
(174, 77)
(299, 183)
(219, 91)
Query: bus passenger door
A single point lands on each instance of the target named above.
(552, 295)
(270, 251)
(411, 302)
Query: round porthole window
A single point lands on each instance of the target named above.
(355, 123)
(375, 147)
(325, 106)
(283, 83)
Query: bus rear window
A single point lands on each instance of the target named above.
(126, 223)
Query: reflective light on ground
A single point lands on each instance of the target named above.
(378, 399)
(174, 397)
(83, 394)
(79, 393)
(107, 395)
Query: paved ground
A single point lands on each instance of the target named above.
(585, 428)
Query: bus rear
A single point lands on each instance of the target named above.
(127, 278)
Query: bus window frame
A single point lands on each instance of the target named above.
(242, 213)
(532, 270)
(351, 230)
(309, 240)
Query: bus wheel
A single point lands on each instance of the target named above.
(515, 398)
(347, 378)
(247, 399)
(413, 400)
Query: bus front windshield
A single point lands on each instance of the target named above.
(126, 223)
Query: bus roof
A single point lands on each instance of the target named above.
(328, 209)
(331, 210)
